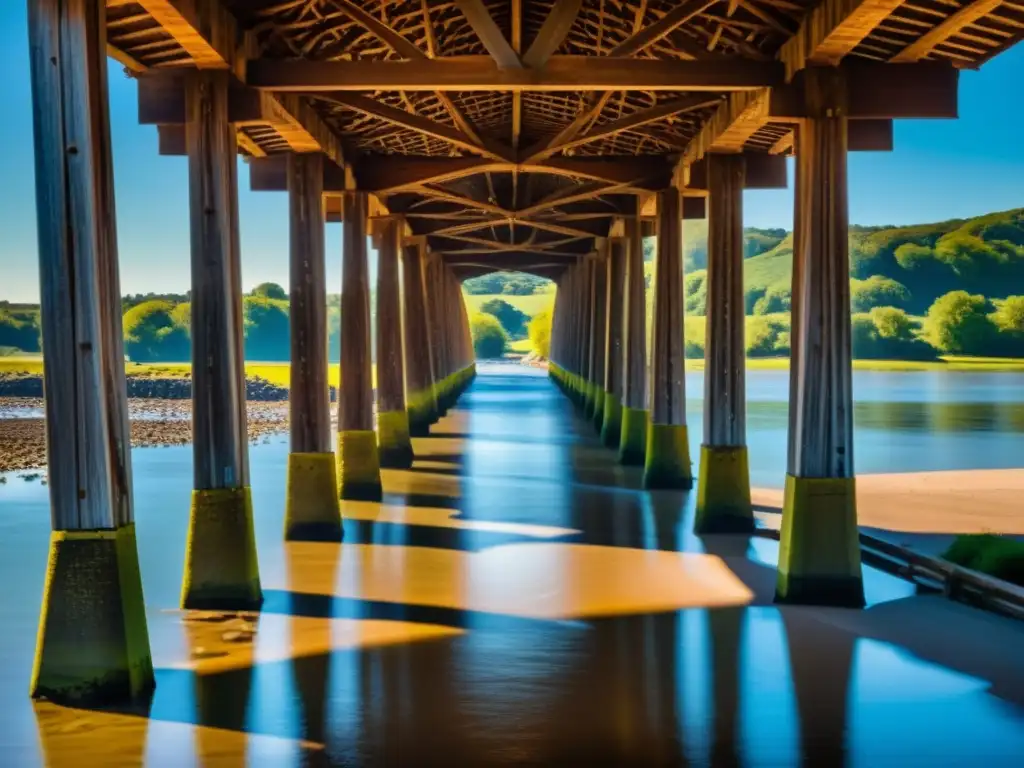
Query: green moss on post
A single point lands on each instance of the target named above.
(358, 466)
(312, 512)
(723, 491)
(93, 643)
(612, 424)
(419, 408)
(394, 446)
(598, 415)
(633, 436)
(667, 463)
(819, 556)
(221, 569)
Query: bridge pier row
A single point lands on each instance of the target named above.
(611, 421)
(667, 463)
(598, 331)
(93, 642)
(221, 569)
(358, 459)
(586, 267)
(635, 417)
(723, 487)
(819, 558)
(421, 402)
(312, 512)
(394, 445)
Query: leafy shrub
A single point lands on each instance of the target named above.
(489, 337)
(912, 255)
(695, 292)
(512, 320)
(539, 331)
(958, 324)
(151, 334)
(267, 329)
(19, 330)
(774, 301)
(270, 291)
(764, 336)
(877, 291)
(994, 555)
(888, 333)
(694, 334)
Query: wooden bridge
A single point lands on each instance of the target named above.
(464, 136)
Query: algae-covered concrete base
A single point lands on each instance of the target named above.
(723, 491)
(597, 417)
(221, 569)
(420, 407)
(819, 555)
(358, 465)
(668, 463)
(393, 444)
(633, 437)
(312, 512)
(612, 425)
(93, 643)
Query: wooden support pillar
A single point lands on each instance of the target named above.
(93, 643)
(392, 416)
(358, 459)
(635, 418)
(611, 426)
(667, 462)
(312, 512)
(819, 558)
(420, 398)
(723, 490)
(221, 570)
(586, 298)
(599, 332)
(432, 302)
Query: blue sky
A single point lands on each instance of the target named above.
(940, 169)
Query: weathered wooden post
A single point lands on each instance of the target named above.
(392, 417)
(586, 298)
(432, 300)
(420, 397)
(599, 330)
(819, 559)
(635, 418)
(668, 452)
(723, 489)
(358, 459)
(611, 425)
(221, 570)
(312, 511)
(93, 643)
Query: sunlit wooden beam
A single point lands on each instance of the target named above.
(951, 26)
(556, 26)
(490, 35)
(652, 33)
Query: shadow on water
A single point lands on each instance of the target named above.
(378, 655)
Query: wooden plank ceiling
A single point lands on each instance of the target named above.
(562, 71)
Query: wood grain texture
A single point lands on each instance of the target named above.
(220, 442)
(390, 356)
(668, 380)
(309, 400)
(634, 373)
(87, 418)
(418, 371)
(355, 400)
(586, 315)
(599, 318)
(724, 350)
(800, 235)
(823, 440)
(618, 253)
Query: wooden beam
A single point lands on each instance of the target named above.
(412, 122)
(735, 121)
(652, 33)
(480, 73)
(582, 192)
(832, 30)
(553, 31)
(490, 35)
(593, 107)
(399, 44)
(869, 136)
(951, 26)
(639, 118)
(203, 28)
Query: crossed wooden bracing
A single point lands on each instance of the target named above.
(511, 133)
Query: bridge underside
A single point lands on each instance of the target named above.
(463, 137)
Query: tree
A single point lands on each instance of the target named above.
(511, 319)
(912, 255)
(151, 334)
(957, 324)
(892, 323)
(774, 301)
(695, 293)
(270, 291)
(267, 329)
(876, 291)
(1009, 314)
(19, 330)
(540, 334)
(489, 338)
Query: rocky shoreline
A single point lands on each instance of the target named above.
(154, 422)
